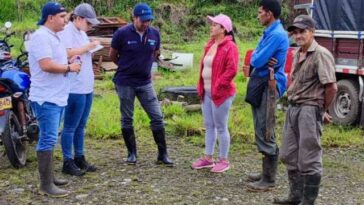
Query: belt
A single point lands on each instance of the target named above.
(294, 104)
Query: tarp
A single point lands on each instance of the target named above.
(343, 15)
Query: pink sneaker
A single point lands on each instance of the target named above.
(221, 166)
(203, 162)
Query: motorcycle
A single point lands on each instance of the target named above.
(18, 125)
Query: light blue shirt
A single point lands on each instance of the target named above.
(83, 82)
(274, 43)
(45, 86)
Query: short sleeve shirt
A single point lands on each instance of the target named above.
(45, 86)
(311, 75)
(82, 82)
(136, 55)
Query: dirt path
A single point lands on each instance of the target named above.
(147, 183)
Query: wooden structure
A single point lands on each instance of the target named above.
(103, 33)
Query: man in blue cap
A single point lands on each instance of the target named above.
(49, 90)
(134, 48)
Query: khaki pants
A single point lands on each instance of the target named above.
(301, 147)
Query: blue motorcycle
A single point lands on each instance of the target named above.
(18, 125)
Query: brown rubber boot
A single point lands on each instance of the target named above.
(45, 168)
(59, 182)
(295, 189)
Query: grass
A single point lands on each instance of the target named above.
(105, 117)
(104, 122)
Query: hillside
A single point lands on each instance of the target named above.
(180, 21)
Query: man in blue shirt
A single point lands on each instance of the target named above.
(134, 48)
(273, 45)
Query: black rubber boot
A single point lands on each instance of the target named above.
(129, 139)
(253, 177)
(267, 181)
(84, 165)
(311, 188)
(160, 140)
(295, 189)
(69, 167)
(45, 168)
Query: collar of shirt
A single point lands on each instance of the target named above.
(311, 49)
(271, 27)
(141, 34)
(49, 31)
(134, 29)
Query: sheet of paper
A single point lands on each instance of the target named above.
(97, 48)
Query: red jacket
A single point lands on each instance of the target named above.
(224, 69)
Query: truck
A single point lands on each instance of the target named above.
(340, 29)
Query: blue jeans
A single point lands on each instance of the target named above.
(148, 100)
(48, 116)
(75, 120)
(216, 124)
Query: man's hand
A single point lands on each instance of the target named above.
(75, 59)
(92, 45)
(246, 70)
(327, 118)
(157, 53)
(272, 62)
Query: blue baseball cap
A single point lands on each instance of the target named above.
(50, 8)
(143, 11)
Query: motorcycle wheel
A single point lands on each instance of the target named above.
(15, 148)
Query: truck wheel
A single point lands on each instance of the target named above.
(345, 106)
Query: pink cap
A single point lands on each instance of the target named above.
(223, 20)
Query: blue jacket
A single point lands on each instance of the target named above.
(274, 43)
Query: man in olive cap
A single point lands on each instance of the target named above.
(311, 92)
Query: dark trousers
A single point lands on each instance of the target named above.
(301, 147)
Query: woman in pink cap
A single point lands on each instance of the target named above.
(217, 90)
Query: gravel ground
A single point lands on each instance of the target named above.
(148, 183)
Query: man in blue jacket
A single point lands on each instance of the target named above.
(273, 45)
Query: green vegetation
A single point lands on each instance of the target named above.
(184, 29)
(190, 126)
